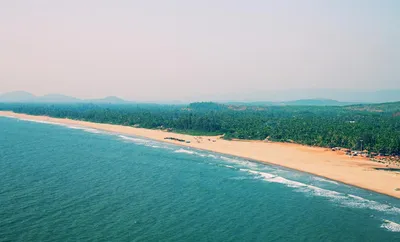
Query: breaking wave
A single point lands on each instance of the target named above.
(39, 121)
(240, 162)
(184, 151)
(134, 140)
(90, 130)
(340, 198)
(324, 180)
(391, 226)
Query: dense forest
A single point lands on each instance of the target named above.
(375, 127)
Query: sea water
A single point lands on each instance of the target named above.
(69, 183)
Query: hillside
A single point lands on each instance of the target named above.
(392, 107)
(56, 98)
(18, 96)
(109, 99)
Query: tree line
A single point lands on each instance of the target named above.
(375, 128)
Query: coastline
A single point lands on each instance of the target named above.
(359, 172)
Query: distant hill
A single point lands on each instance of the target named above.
(109, 99)
(382, 96)
(206, 106)
(342, 95)
(57, 98)
(17, 96)
(316, 102)
(21, 96)
(392, 107)
(258, 103)
(300, 102)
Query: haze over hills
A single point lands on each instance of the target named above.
(109, 99)
(361, 97)
(22, 96)
(18, 96)
(316, 102)
(300, 102)
(56, 98)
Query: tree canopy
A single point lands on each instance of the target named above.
(374, 127)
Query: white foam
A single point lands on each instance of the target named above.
(239, 178)
(94, 131)
(240, 162)
(72, 127)
(7, 116)
(90, 130)
(391, 226)
(325, 180)
(360, 202)
(184, 151)
(229, 166)
(40, 121)
(261, 174)
(343, 199)
(135, 140)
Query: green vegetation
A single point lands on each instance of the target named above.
(378, 126)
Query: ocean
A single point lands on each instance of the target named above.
(68, 183)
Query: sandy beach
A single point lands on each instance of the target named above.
(359, 172)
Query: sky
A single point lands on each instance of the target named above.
(189, 50)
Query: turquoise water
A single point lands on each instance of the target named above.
(62, 183)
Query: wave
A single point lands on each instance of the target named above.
(241, 162)
(135, 140)
(73, 127)
(391, 226)
(325, 180)
(39, 121)
(145, 142)
(360, 202)
(343, 199)
(90, 130)
(184, 151)
(240, 178)
(94, 131)
(228, 166)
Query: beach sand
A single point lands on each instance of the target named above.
(355, 171)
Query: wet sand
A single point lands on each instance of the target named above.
(355, 171)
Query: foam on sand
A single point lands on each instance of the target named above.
(391, 226)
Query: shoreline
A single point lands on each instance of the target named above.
(358, 172)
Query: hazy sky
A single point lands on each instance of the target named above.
(181, 50)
